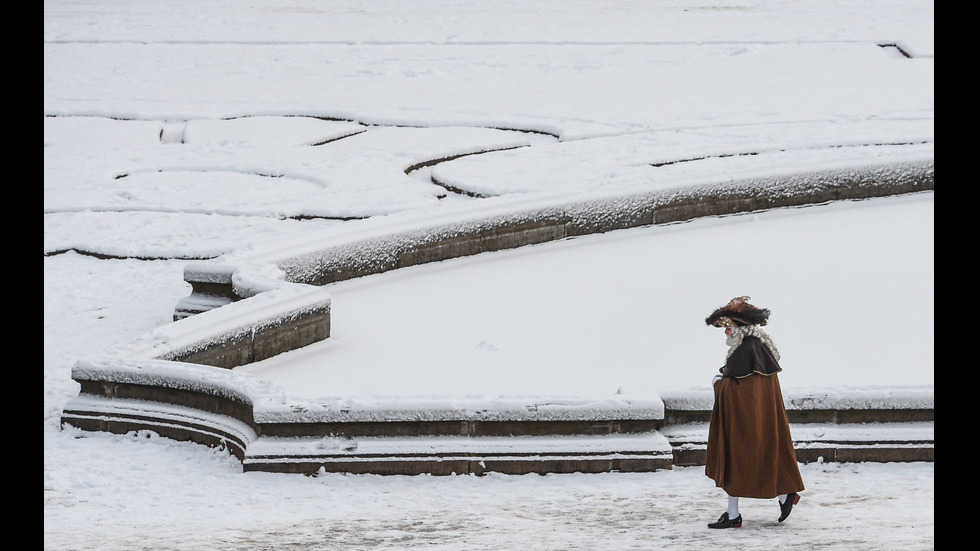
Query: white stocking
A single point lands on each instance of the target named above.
(732, 507)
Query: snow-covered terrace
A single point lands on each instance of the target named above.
(407, 146)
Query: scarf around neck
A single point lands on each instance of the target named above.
(738, 333)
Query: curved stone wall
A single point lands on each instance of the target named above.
(468, 233)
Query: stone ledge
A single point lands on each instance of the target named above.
(479, 465)
(343, 258)
(463, 454)
(181, 423)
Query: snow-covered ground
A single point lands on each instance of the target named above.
(191, 130)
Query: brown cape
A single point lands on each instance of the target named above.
(750, 450)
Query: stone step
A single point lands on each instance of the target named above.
(444, 455)
(681, 445)
(879, 442)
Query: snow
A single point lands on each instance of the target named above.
(206, 134)
(558, 293)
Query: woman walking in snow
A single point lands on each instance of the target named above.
(750, 451)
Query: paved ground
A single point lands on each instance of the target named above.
(868, 506)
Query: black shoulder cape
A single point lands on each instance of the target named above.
(752, 356)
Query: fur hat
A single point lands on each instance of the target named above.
(738, 312)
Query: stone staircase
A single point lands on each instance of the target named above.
(221, 408)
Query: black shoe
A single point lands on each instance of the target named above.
(787, 506)
(724, 522)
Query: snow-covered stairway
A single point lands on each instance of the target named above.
(269, 432)
(513, 435)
